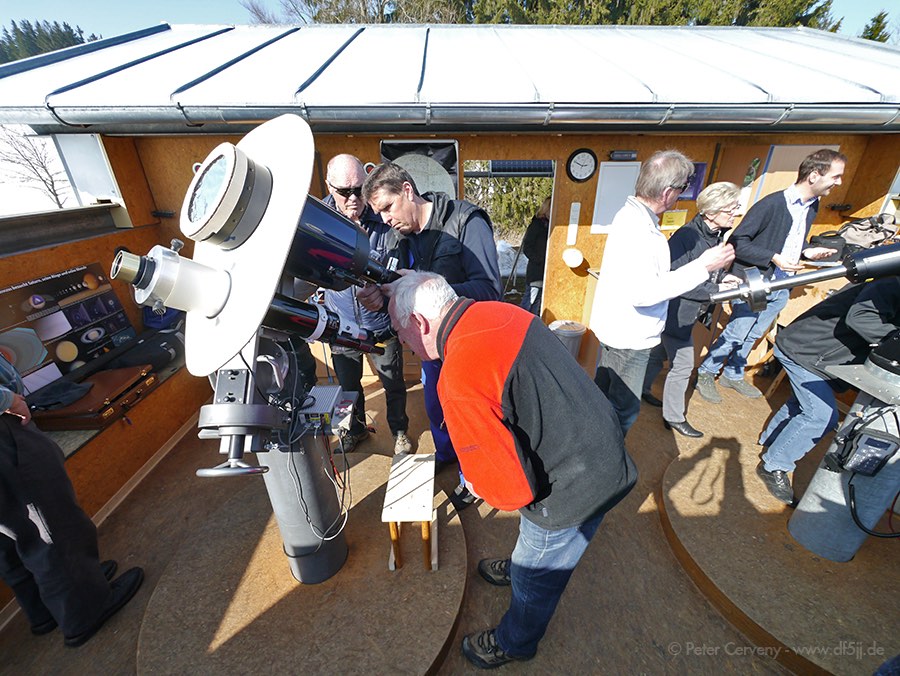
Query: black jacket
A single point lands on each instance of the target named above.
(458, 243)
(534, 246)
(844, 327)
(686, 245)
(763, 231)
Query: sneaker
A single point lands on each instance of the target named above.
(495, 571)
(741, 386)
(481, 649)
(122, 590)
(402, 443)
(706, 387)
(777, 482)
(349, 442)
(461, 497)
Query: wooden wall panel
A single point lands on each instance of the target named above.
(102, 249)
(132, 182)
(878, 165)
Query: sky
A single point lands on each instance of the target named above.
(114, 17)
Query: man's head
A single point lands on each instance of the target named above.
(392, 193)
(820, 172)
(345, 176)
(662, 179)
(419, 301)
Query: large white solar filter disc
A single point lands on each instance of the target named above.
(283, 149)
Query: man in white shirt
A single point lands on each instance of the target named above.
(635, 281)
(772, 238)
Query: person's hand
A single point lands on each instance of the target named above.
(785, 264)
(717, 257)
(371, 297)
(815, 253)
(20, 408)
(730, 282)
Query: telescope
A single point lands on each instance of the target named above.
(261, 247)
(856, 267)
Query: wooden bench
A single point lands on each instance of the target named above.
(410, 498)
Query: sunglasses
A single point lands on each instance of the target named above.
(346, 192)
(682, 188)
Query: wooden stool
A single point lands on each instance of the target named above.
(410, 497)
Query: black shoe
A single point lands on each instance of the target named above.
(109, 569)
(778, 483)
(495, 571)
(683, 428)
(650, 399)
(481, 649)
(123, 590)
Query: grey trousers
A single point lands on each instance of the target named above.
(48, 545)
(680, 354)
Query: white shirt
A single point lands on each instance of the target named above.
(793, 244)
(636, 281)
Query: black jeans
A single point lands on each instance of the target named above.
(48, 545)
(348, 367)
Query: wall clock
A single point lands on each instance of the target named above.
(581, 165)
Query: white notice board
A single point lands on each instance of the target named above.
(615, 182)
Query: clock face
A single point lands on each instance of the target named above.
(581, 165)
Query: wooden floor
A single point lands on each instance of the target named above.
(646, 598)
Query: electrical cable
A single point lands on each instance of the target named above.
(855, 517)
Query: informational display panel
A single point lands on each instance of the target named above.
(53, 325)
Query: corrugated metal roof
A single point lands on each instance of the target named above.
(488, 77)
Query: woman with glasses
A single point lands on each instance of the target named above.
(717, 205)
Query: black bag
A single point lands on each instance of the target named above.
(830, 240)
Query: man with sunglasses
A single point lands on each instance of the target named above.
(345, 176)
(772, 238)
(636, 281)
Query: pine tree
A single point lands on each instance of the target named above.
(877, 28)
(23, 39)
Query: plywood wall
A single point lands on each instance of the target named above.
(167, 161)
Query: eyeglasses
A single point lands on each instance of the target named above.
(346, 192)
(685, 186)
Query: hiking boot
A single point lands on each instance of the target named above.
(350, 441)
(495, 571)
(481, 649)
(777, 482)
(741, 386)
(706, 387)
(402, 443)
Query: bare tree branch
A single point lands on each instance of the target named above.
(29, 160)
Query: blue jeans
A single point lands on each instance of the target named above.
(803, 420)
(541, 565)
(620, 376)
(742, 331)
(443, 447)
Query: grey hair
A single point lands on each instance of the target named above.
(425, 293)
(664, 169)
(716, 196)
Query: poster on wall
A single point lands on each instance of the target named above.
(51, 326)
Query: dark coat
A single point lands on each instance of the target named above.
(534, 246)
(686, 245)
(843, 328)
(763, 231)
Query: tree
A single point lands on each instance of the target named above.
(877, 29)
(25, 39)
(31, 161)
(360, 11)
